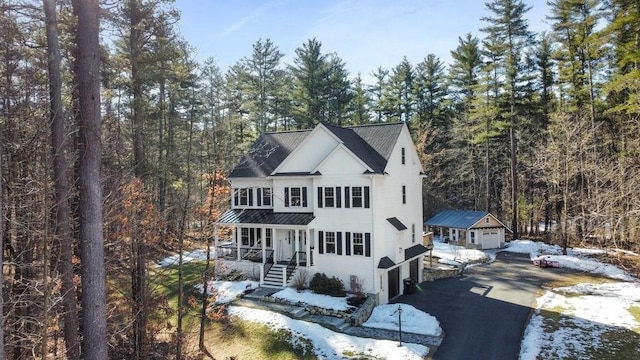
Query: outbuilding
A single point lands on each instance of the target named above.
(472, 229)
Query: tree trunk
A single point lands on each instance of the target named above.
(2, 352)
(63, 242)
(94, 341)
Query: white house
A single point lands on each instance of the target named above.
(472, 229)
(346, 202)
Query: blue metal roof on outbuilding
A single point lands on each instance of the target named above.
(460, 219)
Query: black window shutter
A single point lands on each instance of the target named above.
(259, 196)
(366, 197)
(250, 195)
(339, 242)
(286, 197)
(321, 242)
(347, 198)
(319, 197)
(236, 201)
(347, 249)
(367, 244)
(338, 197)
(304, 196)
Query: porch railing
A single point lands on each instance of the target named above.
(268, 264)
(230, 252)
(291, 266)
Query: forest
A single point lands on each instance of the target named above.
(115, 143)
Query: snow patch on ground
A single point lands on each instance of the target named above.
(328, 344)
(449, 252)
(226, 291)
(413, 320)
(313, 299)
(576, 258)
(590, 310)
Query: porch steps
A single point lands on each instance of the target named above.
(274, 277)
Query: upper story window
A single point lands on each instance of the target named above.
(357, 196)
(243, 197)
(265, 196)
(413, 233)
(330, 197)
(402, 153)
(404, 194)
(295, 197)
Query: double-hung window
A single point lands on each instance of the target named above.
(330, 242)
(356, 196)
(329, 197)
(358, 243)
(266, 197)
(243, 197)
(295, 197)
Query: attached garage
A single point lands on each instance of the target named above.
(472, 229)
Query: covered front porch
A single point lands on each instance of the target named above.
(274, 245)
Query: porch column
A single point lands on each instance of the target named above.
(263, 243)
(274, 245)
(308, 247)
(297, 246)
(236, 238)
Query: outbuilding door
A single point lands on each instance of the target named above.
(490, 239)
(394, 282)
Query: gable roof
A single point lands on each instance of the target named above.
(372, 144)
(459, 219)
(267, 152)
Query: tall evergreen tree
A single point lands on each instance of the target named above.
(510, 27)
(261, 82)
(94, 316)
(310, 73)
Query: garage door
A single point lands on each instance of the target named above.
(490, 239)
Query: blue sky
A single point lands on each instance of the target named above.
(366, 34)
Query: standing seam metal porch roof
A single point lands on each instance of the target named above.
(253, 216)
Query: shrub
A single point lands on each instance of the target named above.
(322, 284)
(301, 279)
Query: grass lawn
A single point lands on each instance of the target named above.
(584, 339)
(229, 338)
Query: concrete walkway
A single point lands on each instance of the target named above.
(254, 300)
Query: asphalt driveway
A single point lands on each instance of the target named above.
(483, 313)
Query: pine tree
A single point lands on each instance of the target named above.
(510, 28)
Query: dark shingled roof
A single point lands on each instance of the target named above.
(243, 216)
(373, 144)
(267, 152)
(414, 251)
(386, 263)
(459, 219)
(397, 223)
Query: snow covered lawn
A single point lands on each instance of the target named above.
(449, 254)
(328, 344)
(583, 321)
(227, 291)
(313, 299)
(576, 258)
(413, 320)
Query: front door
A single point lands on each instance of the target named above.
(413, 270)
(394, 282)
